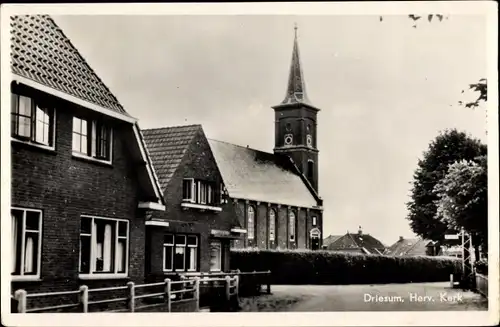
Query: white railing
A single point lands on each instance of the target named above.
(131, 303)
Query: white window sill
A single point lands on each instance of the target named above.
(102, 276)
(91, 159)
(36, 145)
(200, 206)
(17, 278)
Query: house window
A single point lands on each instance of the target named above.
(92, 138)
(103, 246)
(200, 192)
(272, 225)
(215, 256)
(32, 121)
(314, 221)
(180, 252)
(26, 241)
(251, 223)
(291, 221)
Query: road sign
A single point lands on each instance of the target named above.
(451, 237)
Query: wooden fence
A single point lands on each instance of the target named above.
(137, 297)
(482, 284)
(186, 290)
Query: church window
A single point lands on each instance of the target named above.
(291, 222)
(310, 170)
(288, 139)
(251, 222)
(272, 225)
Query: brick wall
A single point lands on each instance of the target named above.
(198, 163)
(65, 188)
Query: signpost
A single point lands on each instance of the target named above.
(467, 279)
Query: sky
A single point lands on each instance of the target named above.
(385, 90)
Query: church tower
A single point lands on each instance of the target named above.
(296, 123)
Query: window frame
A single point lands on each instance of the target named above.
(104, 275)
(272, 218)
(191, 181)
(203, 193)
(220, 247)
(32, 138)
(93, 140)
(251, 235)
(314, 220)
(186, 246)
(22, 275)
(292, 226)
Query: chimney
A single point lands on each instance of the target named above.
(360, 231)
(401, 238)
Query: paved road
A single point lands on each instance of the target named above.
(387, 297)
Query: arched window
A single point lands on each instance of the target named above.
(291, 228)
(251, 223)
(310, 170)
(272, 225)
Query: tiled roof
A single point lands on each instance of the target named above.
(409, 246)
(167, 146)
(41, 52)
(351, 240)
(256, 175)
(330, 239)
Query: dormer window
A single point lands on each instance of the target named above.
(32, 121)
(92, 139)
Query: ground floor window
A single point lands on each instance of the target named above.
(26, 241)
(103, 245)
(215, 256)
(180, 252)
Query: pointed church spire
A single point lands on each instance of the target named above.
(296, 89)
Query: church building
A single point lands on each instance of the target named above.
(276, 194)
(256, 199)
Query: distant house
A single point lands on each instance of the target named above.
(194, 232)
(413, 247)
(354, 243)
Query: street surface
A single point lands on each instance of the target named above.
(386, 297)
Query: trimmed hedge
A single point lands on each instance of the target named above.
(327, 267)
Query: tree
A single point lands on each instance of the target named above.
(462, 199)
(448, 147)
(482, 88)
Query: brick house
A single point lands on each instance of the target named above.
(276, 194)
(354, 243)
(82, 181)
(194, 232)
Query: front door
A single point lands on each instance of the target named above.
(315, 243)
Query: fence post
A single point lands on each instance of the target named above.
(228, 288)
(237, 286)
(167, 294)
(197, 293)
(131, 296)
(269, 282)
(20, 296)
(84, 298)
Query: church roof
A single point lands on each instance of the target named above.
(167, 146)
(41, 52)
(260, 176)
(296, 87)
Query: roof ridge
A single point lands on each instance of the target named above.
(167, 127)
(84, 61)
(238, 145)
